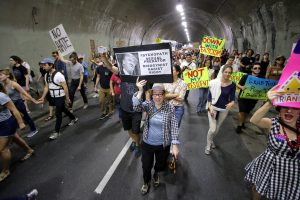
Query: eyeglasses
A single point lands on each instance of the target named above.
(157, 95)
(255, 68)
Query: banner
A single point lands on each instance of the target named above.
(257, 88)
(61, 40)
(150, 62)
(93, 46)
(212, 46)
(289, 82)
(236, 77)
(197, 78)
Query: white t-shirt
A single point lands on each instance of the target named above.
(27, 66)
(190, 66)
(56, 91)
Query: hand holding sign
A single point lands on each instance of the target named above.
(273, 94)
(140, 84)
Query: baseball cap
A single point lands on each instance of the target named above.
(47, 61)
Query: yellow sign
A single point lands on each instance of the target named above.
(212, 46)
(197, 78)
(157, 40)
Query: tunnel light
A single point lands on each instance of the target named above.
(182, 18)
(184, 24)
(185, 29)
(179, 8)
(182, 14)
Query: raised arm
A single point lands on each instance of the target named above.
(258, 117)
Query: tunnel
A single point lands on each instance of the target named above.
(265, 26)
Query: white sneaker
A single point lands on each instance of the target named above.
(32, 133)
(54, 136)
(32, 195)
(96, 95)
(73, 121)
(213, 145)
(85, 106)
(207, 150)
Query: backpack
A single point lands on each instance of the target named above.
(51, 80)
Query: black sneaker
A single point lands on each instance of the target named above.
(238, 129)
(155, 180)
(103, 116)
(243, 126)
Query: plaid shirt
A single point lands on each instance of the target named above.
(170, 125)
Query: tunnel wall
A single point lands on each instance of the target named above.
(263, 25)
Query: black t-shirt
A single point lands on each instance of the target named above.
(264, 66)
(127, 91)
(19, 73)
(248, 62)
(105, 75)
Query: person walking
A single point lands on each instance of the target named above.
(161, 130)
(175, 93)
(221, 96)
(55, 83)
(77, 83)
(10, 118)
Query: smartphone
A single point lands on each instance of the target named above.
(102, 50)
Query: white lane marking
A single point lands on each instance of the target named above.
(112, 168)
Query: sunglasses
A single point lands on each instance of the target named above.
(255, 68)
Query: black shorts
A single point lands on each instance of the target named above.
(246, 105)
(132, 121)
(50, 99)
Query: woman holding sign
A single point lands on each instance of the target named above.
(275, 173)
(161, 130)
(221, 96)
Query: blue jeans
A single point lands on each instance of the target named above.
(179, 111)
(202, 99)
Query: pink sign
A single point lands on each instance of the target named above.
(289, 82)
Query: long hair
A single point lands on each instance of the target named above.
(8, 73)
(2, 88)
(17, 59)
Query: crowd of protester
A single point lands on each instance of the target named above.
(162, 104)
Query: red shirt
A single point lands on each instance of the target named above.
(116, 83)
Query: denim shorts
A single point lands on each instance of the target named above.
(8, 127)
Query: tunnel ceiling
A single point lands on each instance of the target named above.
(155, 18)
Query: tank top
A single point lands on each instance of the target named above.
(12, 93)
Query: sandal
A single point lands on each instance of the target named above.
(4, 175)
(28, 155)
(49, 118)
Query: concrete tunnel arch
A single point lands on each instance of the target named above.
(270, 25)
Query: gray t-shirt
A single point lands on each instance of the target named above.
(76, 70)
(4, 112)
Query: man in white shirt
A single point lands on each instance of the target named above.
(187, 64)
(56, 84)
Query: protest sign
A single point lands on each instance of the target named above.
(289, 81)
(212, 46)
(61, 40)
(257, 88)
(197, 78)
(150, 62)
(236, 77)
(93, 46)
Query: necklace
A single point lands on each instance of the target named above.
(295, 145)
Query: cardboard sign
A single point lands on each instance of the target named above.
(61, 40)
(93, 46)
(212, 46)
(197, 78)
(257, 88)
(150, 62)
